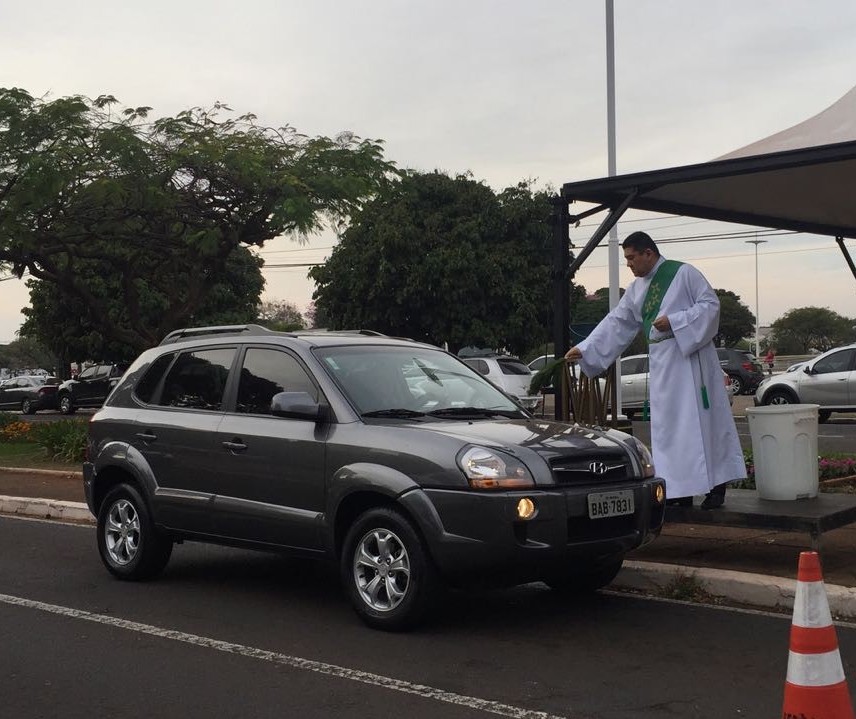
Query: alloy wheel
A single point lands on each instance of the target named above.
(122, 532)
(381, 569)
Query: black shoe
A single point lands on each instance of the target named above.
(680, 502)
(715, 498)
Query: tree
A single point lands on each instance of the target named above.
(812, 328)
(736, 320)
(62, 324)
(88, 191)
(281, 315)
(26, 353)
(444, 260)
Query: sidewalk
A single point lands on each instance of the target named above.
(740, 566)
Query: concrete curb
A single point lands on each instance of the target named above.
(754, 590)
(70, 474)
(46, 509)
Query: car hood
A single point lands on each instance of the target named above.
(545, 437)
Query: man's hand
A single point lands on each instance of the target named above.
(662, 324)
(573, 354)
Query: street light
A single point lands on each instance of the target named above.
(756, 242)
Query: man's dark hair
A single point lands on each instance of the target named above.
(640, 241)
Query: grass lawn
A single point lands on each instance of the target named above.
(27, 454)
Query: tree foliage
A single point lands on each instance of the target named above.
(281, 315)
(736, 320)
(26, 353)
(63, 324)
(444, 259)
(812, 328)
(88, 190)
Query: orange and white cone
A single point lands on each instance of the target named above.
(815, 686)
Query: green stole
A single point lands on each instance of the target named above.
(661, 282)
(656, 291)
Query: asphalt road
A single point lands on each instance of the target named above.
(228, 633)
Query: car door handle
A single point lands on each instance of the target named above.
(235, 445)
(146, 436)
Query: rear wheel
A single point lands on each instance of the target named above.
(27, 407)
(386, 570)
(66, 406)
(823, 415)
(130, 545)
(737, 384)
(586, 578)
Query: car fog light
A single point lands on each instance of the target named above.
(659, 493)
(525, 508)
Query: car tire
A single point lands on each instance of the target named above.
(27, 407)
(386, 570)
(130, 545)
(779, 396)
(586, 578)
(737, 384)
(823, 415)
(66, 406)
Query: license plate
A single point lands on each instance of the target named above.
(610, 504)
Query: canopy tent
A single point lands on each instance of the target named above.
(801, 179)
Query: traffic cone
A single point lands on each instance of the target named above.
(815, 686)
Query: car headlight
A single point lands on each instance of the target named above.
(645, 458)
(488, 469)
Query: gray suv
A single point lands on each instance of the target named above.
(389, 457)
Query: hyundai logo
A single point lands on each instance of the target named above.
(598, 467)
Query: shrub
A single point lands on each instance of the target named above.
(16, 431)
(828, 467)
(7, 418)
(64, 441)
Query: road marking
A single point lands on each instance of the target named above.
(333, 670)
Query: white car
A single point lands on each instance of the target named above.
(828, 380)
(509, 374)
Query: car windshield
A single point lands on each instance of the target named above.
(401, 382)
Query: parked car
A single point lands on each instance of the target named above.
(90, 388)
(634, 384)
(828, 380)
(324, 445)
(29, 393)
(540, 362)
(744, 369)
(509, 374)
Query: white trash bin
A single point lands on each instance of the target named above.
(784, 450)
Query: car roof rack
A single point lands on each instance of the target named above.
(177, 335)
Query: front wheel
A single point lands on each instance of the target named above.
(586, 579)
(386, 570)
(27, 407)
(66, 406)
(130, 545)
(779, 397)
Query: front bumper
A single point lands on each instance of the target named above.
(477, 535)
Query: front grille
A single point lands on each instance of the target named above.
(592, 470)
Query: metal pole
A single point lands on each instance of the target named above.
(610, 161)
(756, 242)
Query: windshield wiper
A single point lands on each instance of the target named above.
(474, 412)
(396, 412)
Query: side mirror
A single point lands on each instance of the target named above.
(296, 405)
(808, 370)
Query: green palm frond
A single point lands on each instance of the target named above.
(549, 374)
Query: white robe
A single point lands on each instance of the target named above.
(694, 448)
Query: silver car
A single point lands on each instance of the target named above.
(828, 380)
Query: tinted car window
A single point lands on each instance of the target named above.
(837, 362)
(89, 372)
(509, 366)
(145, 389)
(478, 365)
(264, 373)
(198, 379)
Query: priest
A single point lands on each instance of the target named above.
(693, 437)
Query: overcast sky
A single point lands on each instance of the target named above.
(506, 91)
